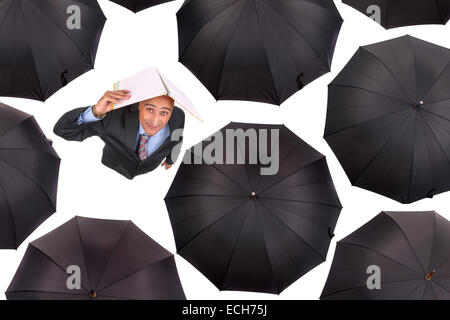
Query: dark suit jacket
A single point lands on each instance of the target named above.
(119, 130)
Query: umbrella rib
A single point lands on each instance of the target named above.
(382, 148)
(10, 213)
(242, 152)
(281, 164)
(425, 291)
(414, 290)
(299, 33)
(6, 13)
(112, 252)
(117, 297)
(41, 91)
(310, 202)
(133, 273)
(17, 124)
(267, 252)
(412, 161)
(298, 236)
(435, 114)
(415, 66)
(442, 287)
(234, 182)
(180, 221)
(47, 292)
(365, 286)
(434, 136)
(32, 180)
(365, 122)
(205, 195)
(434, 240)
(291, 174)
(55, 263)
(83, 251)
(232, 252)
(301, 217)
(63, 32)
(228, 49)
(277, 98)
(409, 243)
(313, 4)
(435, 101)
(371, 91)
(348, 107)
(436, 81)
(429, 162)
(383, 255)
(207, 22)
(390, 72)
(212, 42)
(208, 226)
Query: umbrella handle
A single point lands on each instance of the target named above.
(330, 233)
(63, 78)
(300, 84)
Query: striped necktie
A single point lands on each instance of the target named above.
(142, 148)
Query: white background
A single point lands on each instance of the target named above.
(132, 42)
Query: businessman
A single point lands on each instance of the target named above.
(138, 138)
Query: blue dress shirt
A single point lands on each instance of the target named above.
(153, 143)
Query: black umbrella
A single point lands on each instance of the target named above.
(251, 232)
(399, 13)
(389, 119)
(115, 261)
(405, 252)
(138, 5)
(44, 44)
(262, 51)
(29, 168)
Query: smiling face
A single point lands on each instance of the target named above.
(154, 113)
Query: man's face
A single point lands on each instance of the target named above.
(154, 113)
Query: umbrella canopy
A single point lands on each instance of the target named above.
(262, 51)
(138, 5)
(388, 119)
(116, 260)
(399, 13)
(44, 44)
(410, 251)
(29, 168)
(251, 232)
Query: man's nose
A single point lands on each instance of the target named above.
(155, 119)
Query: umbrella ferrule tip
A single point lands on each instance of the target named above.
(430, 275)
(417, 105)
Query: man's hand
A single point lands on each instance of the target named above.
(105, 104)
(165, 164)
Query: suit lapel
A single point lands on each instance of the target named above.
(132, 129)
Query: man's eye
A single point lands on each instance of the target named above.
(164, 113)
(149, 109)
